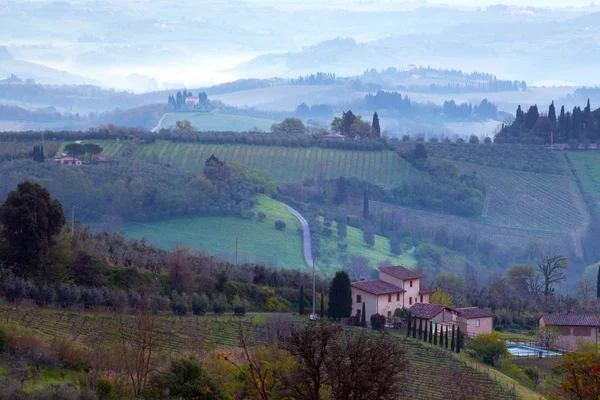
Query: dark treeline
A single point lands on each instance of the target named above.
(579, 126)
(402, 105)
(315, 110)
(468, 82)
(142, 192)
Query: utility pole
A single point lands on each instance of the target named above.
(73, 219)
(314, 315)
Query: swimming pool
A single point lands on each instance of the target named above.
(526, 351)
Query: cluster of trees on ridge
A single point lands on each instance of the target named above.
(572, 127)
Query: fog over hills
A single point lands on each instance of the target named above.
(149, 45)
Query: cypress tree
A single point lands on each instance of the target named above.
(552, 113)
(322, 306)
(435, 336)
(415, 328)
(458, 340)
(430, 332)
(375, 126)
(446, 339)
(452, 340)
(366, 204)
(36, 152)
(420, 329)
(301, 301)
(442, 336)
(42, 157)
(363, 316)
(410, 320)
(340, 296)
(425, 337)
(598, 283)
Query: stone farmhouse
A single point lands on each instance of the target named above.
(575, 329)
(396, 288)
(471, 320)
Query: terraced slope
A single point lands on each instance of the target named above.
(433, 373)
(527, 200)
(285, 164)
(587, 166)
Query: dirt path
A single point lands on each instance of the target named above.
(155, 129)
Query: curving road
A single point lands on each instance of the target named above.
(155, 129)
(307, 245)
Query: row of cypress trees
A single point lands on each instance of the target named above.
(429, 333)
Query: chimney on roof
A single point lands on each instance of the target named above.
(362, 278)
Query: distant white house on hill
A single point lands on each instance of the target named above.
(66, 160)
(192, 101)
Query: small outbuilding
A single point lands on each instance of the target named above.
(574, 328)
(474, 320)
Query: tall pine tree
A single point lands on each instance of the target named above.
(375, 128)
(340, 296)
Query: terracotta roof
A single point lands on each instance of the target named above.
(377, 287)
(424, 290)
(427, 311)
(401, 272)
(571, 320)
(473, 312)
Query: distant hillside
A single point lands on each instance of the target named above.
(5, 54)
(42, 74)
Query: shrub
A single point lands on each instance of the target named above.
(156, 303)
(219, 304)
(533, 374)
(327, 232)
(43, 294)
(499, 328)
(91, 297)
(377, 322)
(15, 289)
(489, 347)
(240, 308)
(200, 304)
(67, 295)
(104, 389)
(342, 246)
(179, 303)
(261, 216)
(117, 299)
(279, 225)
(135, 300)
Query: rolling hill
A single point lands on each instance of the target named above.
(285, 164)
(259, 241)
(217, 122)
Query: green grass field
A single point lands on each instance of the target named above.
(284, 164)
(587, 166)
(356, 245)
(259, 241)
(217, 122)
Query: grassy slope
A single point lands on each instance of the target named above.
(587, 165)
(258, 241)
(217, 122)
(356, 245)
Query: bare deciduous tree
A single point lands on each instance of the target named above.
(551, 268)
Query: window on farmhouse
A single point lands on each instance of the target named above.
(389, 313)
(358, 298)
(389, 298)
(410, 283)
(397, 296)
(421, 298)
(410, 300)
(477, 322)
(582, 331)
